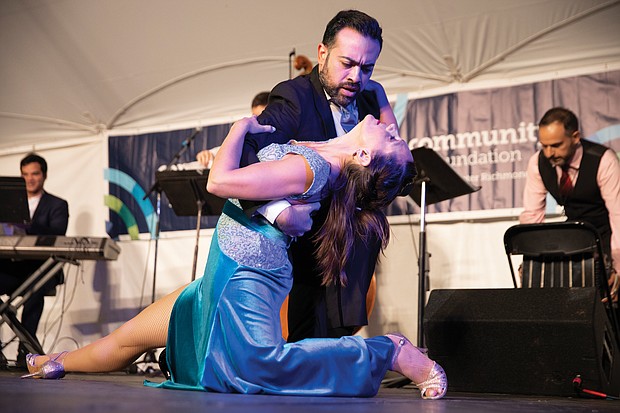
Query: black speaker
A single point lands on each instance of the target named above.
(522, 341)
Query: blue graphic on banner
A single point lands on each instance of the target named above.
(117, 206)
(133, 161)
(129, 184)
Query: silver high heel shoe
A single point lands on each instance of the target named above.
(436, 379)
(51, 369)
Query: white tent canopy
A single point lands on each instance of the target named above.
(72, 69)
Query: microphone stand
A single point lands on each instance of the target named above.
(422, 264)
(186, 144)
(156, 188)
(149, 356)
(290, 63)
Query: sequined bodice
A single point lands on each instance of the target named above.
(252, 248)
(320, 167)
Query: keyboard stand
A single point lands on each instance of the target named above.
(36, 281)
(57, 250)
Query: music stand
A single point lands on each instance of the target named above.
(436, 181)
(187, 193)
(14, 205)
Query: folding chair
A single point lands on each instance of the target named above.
(560, 255)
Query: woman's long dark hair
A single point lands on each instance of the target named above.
(356, 211)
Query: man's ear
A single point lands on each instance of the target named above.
(363, 156)
(322, 53)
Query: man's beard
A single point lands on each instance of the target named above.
(332, 89)
(563, 161)
(557, 162)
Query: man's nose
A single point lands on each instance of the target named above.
(548, 152)
(354, 74)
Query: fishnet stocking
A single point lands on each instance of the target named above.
(147, 330)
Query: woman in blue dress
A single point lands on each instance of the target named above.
(222, 332)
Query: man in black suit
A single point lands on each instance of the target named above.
(49, 216)
(319, 106)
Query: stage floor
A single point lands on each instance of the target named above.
(120, 392)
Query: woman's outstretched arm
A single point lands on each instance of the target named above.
(259, 181)
(386, 114)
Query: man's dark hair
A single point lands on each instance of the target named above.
(562, 115)
(260, 99)
(33, 157)
(356, 20)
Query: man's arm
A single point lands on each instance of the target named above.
(59, 219)
(284, 111)
(608, 180)
(534, 194)
(54, 217)
(297, 218)
(283, 114)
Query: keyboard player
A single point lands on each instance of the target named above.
(49, 215)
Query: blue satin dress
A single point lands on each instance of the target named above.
(225, 333)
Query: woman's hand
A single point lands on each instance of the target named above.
(251, 125)
(225, 176)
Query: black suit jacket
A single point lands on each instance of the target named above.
(299, 109)
(51, 216)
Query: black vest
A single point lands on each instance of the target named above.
(585, 202)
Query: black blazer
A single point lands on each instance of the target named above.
(299, 109)
(51, 216)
